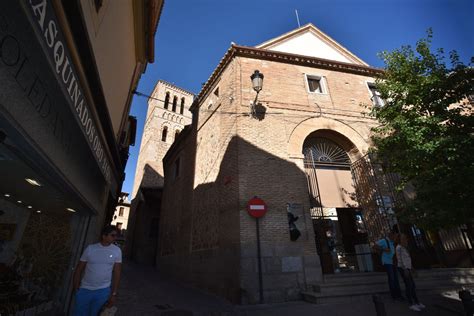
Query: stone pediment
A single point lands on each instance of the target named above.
(308, 40)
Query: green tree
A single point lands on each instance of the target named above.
(426, 132)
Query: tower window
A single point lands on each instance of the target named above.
(175, 103)
(167, 100)
(164, 133)
(176, 134)
(181, 111)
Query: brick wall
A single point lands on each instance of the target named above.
(238, 157)
(269, 169)
(200, 241)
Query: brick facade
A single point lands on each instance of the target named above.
(228, 156)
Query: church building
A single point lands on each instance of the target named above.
(286, 123)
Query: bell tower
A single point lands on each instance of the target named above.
(168, 113)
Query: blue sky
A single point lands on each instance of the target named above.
(193, 35)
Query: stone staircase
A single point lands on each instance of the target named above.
(348, 287)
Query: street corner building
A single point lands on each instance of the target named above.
(299, 143)
(168, 114)
(68, 70)
(121, 216)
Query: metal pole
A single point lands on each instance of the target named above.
(259, 258)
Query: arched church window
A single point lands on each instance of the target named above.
(181, 111)
(323, 151)
(175, 103)
(167, 100)
(164, 133)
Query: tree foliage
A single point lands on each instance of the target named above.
(426, 132)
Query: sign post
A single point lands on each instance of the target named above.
(257, 208)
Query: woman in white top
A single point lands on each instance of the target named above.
(405, 268)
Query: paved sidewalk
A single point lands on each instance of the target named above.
(143, 291)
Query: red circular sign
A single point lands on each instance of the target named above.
(256, 207)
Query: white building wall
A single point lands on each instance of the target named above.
(121, 218)
(308, 44)
(111, 33)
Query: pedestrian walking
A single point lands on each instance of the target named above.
(406, 272)
(387, 248)
(101, 264)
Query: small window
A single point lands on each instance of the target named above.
(164, 133)
(175, 103)
(176, 168)
(121, 211)
(167, 100)
(316, 84)
(181, 111)
(375, 95)
(176, 134)
(119, 226)
(216, 92)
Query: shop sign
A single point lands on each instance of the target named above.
(57, 52)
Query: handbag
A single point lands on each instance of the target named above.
(108, 311)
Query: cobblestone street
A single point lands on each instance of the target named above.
(143, 291)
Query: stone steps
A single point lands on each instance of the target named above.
(361, 286)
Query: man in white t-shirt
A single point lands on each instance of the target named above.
(101, 264)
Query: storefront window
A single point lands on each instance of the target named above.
(36, 250)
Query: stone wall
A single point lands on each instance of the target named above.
(149, 170)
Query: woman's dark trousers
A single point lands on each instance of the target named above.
(409, 286)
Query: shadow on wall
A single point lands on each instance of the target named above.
(143, 225)
(209, 240)
(151, 177)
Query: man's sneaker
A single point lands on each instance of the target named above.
(420, 305)
(415, 308)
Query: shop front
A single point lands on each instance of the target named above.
(58, 177)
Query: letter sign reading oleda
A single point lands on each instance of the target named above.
(256, 207)
(47, 26)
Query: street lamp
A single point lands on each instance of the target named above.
(257, 81)
(257, 84)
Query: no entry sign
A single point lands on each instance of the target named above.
(256, 207)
